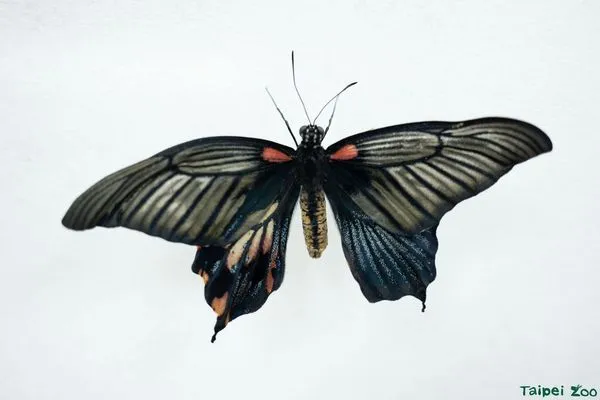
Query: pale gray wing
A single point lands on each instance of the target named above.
(205, 192)
(406, 177)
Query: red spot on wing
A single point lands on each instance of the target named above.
(219, 304)
(270, 154)
(204, 276)
(347, 152)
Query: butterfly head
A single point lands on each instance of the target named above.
(312, 135)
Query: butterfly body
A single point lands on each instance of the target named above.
(312, 161)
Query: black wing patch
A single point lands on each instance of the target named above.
(205, 192)
(406, 177)
(386, 266)
(240, 277)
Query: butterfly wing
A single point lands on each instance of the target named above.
(205, 192)
(240, 277)
(406, 177)
(232, 197)
(387, 266)
(390, 187)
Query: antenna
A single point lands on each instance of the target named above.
(334, 105)
(297, 91)
(331, 117)
(280, 113)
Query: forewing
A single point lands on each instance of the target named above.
(387, 266)
(406, 177)
(240, 277)
(204, 192)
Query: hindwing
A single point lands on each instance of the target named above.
(240, 276)
(386, 265)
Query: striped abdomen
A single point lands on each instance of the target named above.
(314, 220)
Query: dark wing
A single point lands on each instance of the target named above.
(406, 177)
(387, 266)
(204, 192)
(240, 277)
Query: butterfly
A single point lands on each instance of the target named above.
(233, 198)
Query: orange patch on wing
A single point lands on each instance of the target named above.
(270, 154)
(268, 240)
(219, 304)
(347, 152)
(254, 246)
(236, 251)
(204, 276)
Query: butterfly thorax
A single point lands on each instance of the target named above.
(311, 156)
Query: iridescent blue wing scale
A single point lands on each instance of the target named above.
(387, 266)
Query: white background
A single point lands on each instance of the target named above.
(87, 87)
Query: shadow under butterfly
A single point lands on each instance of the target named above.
(233, 198)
